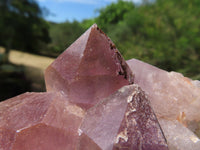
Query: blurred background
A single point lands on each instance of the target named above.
(164, 33)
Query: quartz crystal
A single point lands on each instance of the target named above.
(180, 98)
(178, 136)
(90, 69)
(122, 121)
(39, 121)
(91, 103)
(173, 98)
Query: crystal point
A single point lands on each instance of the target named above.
(90, 69)
(124, 120)
(175, 100)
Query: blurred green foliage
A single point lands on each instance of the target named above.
(63, 34)
(113, 14)
(22, 25)
(165, 33)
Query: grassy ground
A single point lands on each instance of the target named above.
(30, 60)
(34, 67)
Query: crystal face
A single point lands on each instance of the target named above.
(178, 136)
(175, 100)
(39, 121)
(124, 120)
(91, 67)
(179, 96)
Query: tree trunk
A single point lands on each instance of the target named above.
(7, 51)
(8, 45)
(6, 54)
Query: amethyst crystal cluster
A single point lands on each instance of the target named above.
(95, 100)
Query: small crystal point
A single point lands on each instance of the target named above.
(168, 91)
(124, 120)
(90, 69)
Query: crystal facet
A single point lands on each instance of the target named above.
(39, 121)
(171, 94)
(122, 121)
(175, 100)
(178, 136)
(90, 69)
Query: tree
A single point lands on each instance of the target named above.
(63, 35)
(163, 33)
(22, 25)
(113, 13)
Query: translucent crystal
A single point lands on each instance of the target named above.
(39, 121)
(90, 69)
(122, 121)
(175, 100)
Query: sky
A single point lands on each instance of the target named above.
(70, 10)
